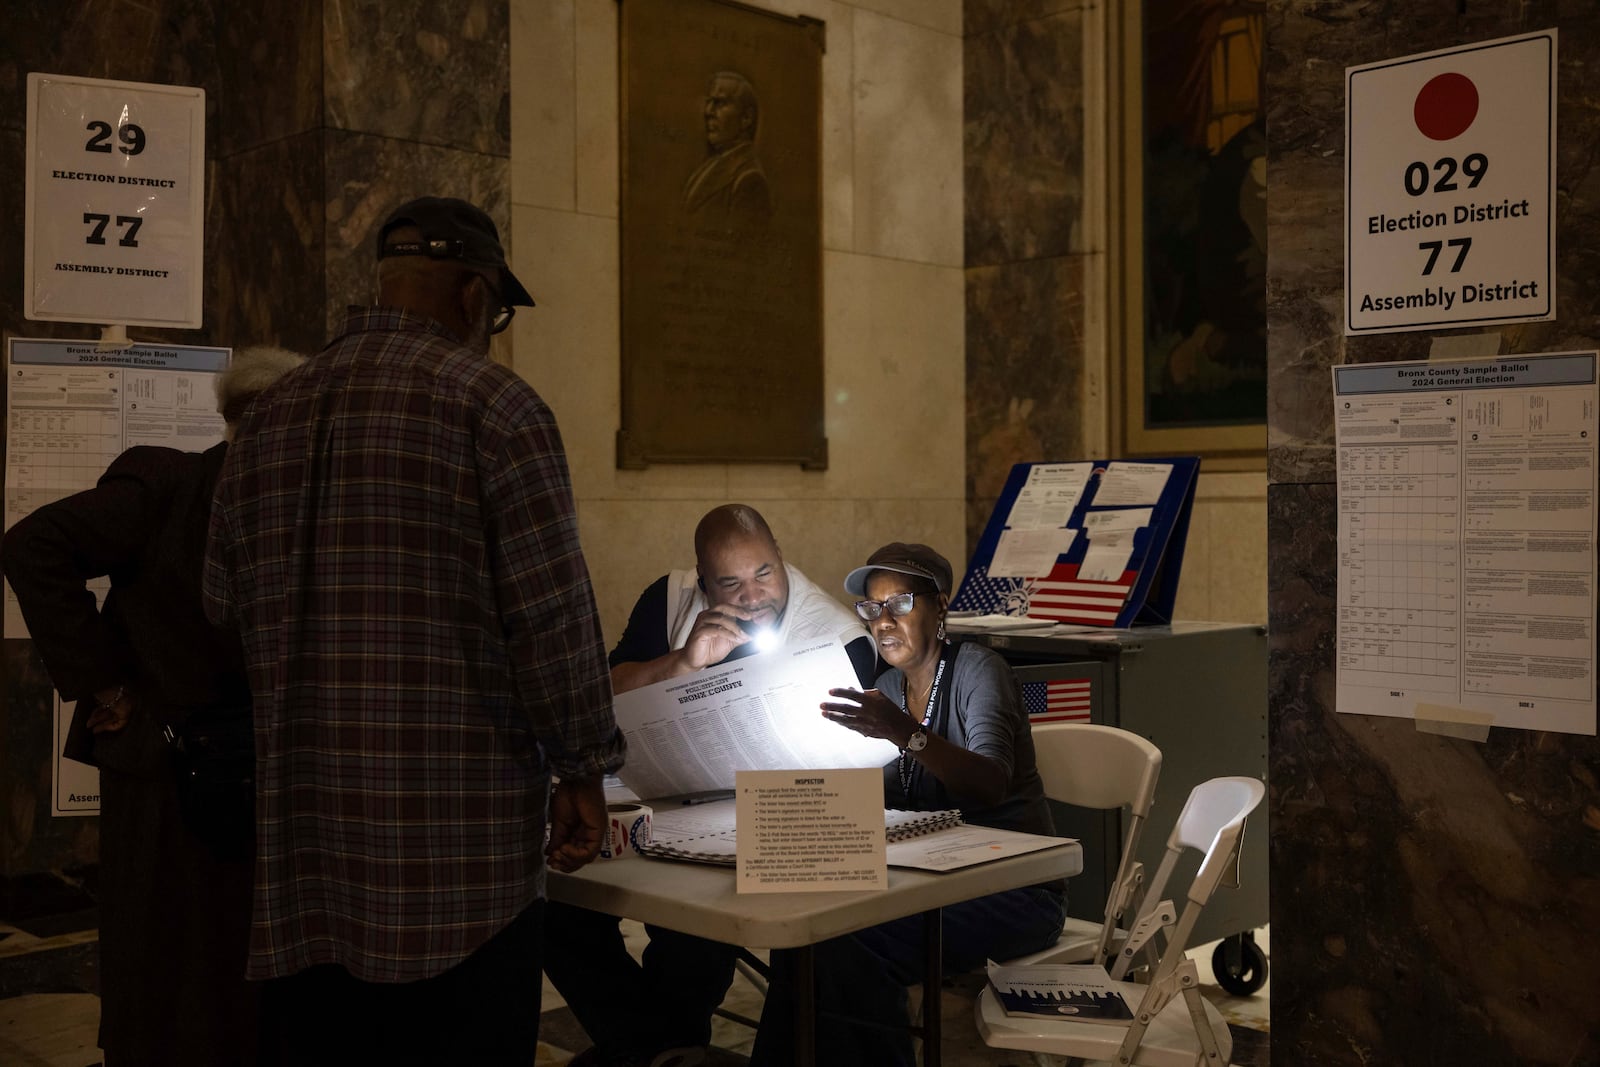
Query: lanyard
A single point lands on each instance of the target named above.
(907, 765)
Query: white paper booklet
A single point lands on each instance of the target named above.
(964, 846)
(760, 713)
(1081, 992)
(702, 833)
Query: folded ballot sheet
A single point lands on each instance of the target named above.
(694, 733)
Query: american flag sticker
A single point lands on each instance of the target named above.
(1063, 597)
(1064, 700)
(1060, 596)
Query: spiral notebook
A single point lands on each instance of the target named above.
(705, 833)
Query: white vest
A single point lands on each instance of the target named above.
(810, 613)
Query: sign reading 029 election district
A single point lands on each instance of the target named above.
(115, 210)
(1449, 186)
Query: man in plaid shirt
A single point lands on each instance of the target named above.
(395, 537)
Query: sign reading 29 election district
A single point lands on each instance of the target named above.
(115, 210)
(1449, 187)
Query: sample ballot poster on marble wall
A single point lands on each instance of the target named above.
(1449, 186)
(71, 409)
(1467, 540)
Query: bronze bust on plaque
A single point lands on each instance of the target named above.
(730, 188)
(721, 235)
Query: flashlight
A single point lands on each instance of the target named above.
(765, 637)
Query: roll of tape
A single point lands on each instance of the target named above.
(629, 828)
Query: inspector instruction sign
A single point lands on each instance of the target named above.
(1449, 182)
(115, 202)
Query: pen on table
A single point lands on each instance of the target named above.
(707, 798)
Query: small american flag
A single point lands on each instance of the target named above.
(1066, 700)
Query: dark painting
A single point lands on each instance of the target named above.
(1201, 385)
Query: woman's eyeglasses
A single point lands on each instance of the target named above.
(899, 605)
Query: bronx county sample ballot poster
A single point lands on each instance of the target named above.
(72, 408)
(1467, 540)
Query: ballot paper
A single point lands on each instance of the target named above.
(953, 847)
(1107, 556)
(1049, 496)
(1029, 553)
(1096, 522)
(1129, 484)
(974, 622)
(762, 713)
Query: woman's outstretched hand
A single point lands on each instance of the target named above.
(871, 715)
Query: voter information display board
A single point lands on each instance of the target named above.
(1449, 187)
(1089, 543)
(1467, 514)
(115, 202)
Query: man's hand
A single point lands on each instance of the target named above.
(111, 710)
(716, 633)
(577, 822)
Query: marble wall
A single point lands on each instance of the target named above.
(1026, 257)
(163, 41)
(892, 294)
(1037, 257)
(321, 115)
(1433, 899)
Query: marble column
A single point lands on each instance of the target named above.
(1433, 899)
(321, 115)
(1025, 258)
(170, 41)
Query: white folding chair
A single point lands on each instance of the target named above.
(1099, 767)
(1161, 1033)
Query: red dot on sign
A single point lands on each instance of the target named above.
(1446, 107)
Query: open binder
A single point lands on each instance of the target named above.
(1094, 543)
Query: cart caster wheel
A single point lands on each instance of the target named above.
(1240, 965)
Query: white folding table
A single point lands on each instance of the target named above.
(700, 899)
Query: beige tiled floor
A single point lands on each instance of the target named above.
(58, 1030)
(962, 1046)
(49, 1030)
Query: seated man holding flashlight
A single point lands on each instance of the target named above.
(740, 599)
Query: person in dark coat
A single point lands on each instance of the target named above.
(174, 910)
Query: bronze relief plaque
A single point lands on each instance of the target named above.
(721, 235)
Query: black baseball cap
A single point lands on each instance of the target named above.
(453, 229)
(917, 560)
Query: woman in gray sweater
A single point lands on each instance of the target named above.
(956, 714)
